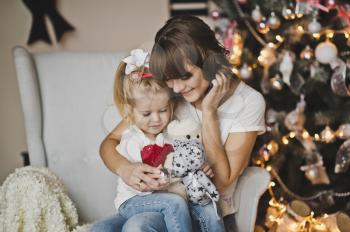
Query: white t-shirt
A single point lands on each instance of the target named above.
(243, 111)
(130, 146)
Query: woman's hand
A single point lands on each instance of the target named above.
(220, 89)
(207, 170)
(142, 177)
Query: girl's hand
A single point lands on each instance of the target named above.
(142, 177)
(221, 86)
(207, 170)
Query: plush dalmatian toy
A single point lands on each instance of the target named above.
(187, 159)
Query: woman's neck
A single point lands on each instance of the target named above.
(198, 104)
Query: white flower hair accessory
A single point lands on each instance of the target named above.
(137, 59)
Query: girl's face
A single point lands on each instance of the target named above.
(151, 112)
(192, 89)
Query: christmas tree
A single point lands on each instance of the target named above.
(297, 54)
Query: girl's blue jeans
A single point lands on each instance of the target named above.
(173, 208)
(160, 212)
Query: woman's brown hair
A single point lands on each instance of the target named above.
(183, 40)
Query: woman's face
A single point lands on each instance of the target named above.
(192, 89)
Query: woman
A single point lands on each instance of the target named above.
(187, 56)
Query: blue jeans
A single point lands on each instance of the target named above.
(173, 208)
(204, 219)
(143, 222)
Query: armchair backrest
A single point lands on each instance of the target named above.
(68, 103)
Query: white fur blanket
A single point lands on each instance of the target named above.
(32, 199)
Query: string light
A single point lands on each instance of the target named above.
(316, 35)
(340, 134)
(267, 55)
(318, 226)
(285, 140)
(305, 134)
(293, 227)
(272, 146)
(271, 45)
(299, 15)
(263, 28)
(235, 71)
(237, 49)
(279, 38)
(330, 34)
(277, 82)
(300, 28)
(317, 137)
(292, 134)
(279, 213)
(328, 135)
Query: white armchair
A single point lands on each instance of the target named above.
(67, 102)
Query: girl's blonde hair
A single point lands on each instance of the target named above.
(125, 84)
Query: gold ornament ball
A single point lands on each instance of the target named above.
(343, 131)
(274, 22)
(267, 56)
(314, 26)
(257, 15)
(287, 13)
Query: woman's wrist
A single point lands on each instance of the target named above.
(119, 170)
(211, 112)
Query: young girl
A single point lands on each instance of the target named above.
(145, 103)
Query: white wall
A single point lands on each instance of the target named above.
(105, 25)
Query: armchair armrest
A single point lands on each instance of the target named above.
(251, 185)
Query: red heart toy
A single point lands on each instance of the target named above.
(155, 155)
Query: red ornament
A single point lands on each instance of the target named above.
(344, 12)
(228, 41)
(155, 155)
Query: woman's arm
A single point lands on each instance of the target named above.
(110, 156)
(228, 160)
(131, 173)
